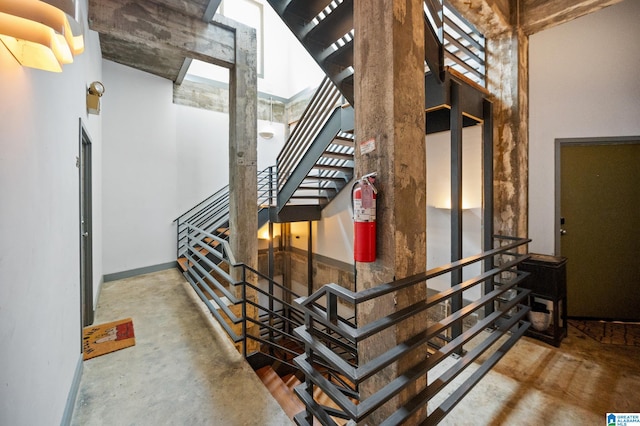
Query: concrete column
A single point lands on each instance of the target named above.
(243, 153)
(243, 149)
(507, 26)
(508, 82)
(389, 102)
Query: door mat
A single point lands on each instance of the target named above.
(104, 338)
(610, 332)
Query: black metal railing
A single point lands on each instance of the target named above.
(463, 45)
(212, 213)
(267, 185)
(505, 319)
(261, 315)
(248, 305)
(254, 311)
(326, 99)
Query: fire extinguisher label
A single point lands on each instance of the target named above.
(363, 214)
(367, 196)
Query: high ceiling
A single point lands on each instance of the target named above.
(160, 36)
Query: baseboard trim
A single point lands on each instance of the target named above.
(73, 394)
(139, 271)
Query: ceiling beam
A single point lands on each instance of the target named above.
(490, 17)
(538, 15)
(159, 27)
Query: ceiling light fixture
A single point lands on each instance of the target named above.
(40, 35)
(267, 132)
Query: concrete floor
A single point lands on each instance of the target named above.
(180, 372)
(183, 372)
(538, 384)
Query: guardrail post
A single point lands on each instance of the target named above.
(244, 311)
(178, 239)
(332, 308)
(188, 228)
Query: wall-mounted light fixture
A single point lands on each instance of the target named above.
(267, 132)
(39, 34)
(94, 93)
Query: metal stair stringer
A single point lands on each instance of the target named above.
(325, 29)
(341, 120)
(330, 42)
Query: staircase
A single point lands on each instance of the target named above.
(317, 162)
(212, 215)
(283, 390)
(325, 29)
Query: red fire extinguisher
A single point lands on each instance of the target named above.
(364, 196)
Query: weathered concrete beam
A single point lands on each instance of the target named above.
(490, 17)
(193, 8)
(163, 28)
(538, 15)
(215, 97)
(157, 60)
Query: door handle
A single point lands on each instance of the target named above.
(86, 234)
(563, 231)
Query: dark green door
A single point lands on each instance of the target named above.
(600, 204)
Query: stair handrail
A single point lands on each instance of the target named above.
(506, 258)
(325, 100)
(462, 45)
(210, 262)
(213, 210)
(267, 183)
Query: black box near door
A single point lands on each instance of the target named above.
(548, 284)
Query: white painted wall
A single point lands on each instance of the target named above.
(39, 232)
(202, 152)
(583, 83)
(439, 204)
(289, 69)
(160, 160)
(268, 149)
(140, 169)
(333, 235)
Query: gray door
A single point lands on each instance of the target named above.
(600, 227)
(86, 237)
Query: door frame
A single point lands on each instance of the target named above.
(85, 226)
(559, 143)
